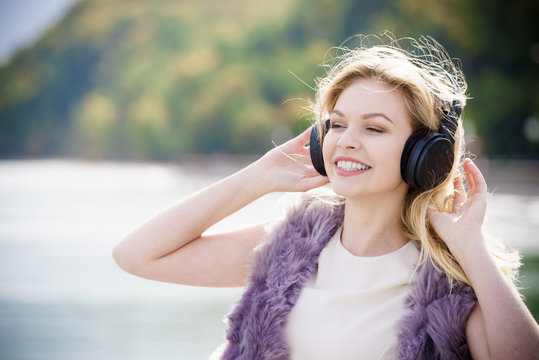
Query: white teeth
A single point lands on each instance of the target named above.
(351, 166)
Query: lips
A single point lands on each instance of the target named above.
(350, 166)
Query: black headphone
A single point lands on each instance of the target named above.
(427, 157)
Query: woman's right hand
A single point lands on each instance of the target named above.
(288, 167)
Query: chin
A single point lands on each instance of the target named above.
(347, 190)
(351, 191)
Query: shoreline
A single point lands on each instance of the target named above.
(517, 177)
(505, 176)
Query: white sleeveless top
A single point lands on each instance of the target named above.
(350, 307)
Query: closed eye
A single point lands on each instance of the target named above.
(336, 126)
(375, 129)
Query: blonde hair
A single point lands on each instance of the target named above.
(429, 81)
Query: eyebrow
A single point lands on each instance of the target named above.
(365, 116)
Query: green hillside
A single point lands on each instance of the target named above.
(158, 79)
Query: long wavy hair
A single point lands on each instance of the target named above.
(429, 81)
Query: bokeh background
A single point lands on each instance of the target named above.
(112, 110)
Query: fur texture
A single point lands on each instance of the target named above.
(280, 269)
(433, 330)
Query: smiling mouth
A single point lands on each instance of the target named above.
(351, 166)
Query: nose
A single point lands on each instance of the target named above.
(349, 140)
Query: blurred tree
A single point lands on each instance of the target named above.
(495, 41)
(155, 80)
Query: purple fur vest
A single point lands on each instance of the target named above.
(433, 329)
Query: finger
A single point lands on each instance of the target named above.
(460, 193)
(296, 145)
(305, 136)
(433, 214)
(302, 154)
(314, 182)
(476, 181)
(470, 181)
(304, 160)
(432, 207)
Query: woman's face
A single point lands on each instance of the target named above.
(363, 147)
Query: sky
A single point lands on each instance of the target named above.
(23, 21)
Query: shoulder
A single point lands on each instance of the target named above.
(312, 214)
(307, 228)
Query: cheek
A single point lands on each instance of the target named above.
(396, 152)
(399, 148)
(327, 151)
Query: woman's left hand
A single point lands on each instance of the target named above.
(463, 224)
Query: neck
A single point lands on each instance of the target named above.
(372, 226)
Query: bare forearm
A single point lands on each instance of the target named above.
(501, 327)
(171, 246)
(509, 329)
(188, 219)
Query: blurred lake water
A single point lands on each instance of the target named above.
(63, 297)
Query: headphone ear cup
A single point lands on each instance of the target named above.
(435, 162)
(412, 146)
(427, 159)
(315, 147)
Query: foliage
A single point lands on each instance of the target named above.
(156, 80)
(529, 276)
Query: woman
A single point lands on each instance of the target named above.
(395, 265)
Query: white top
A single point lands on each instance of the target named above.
(351, 305)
